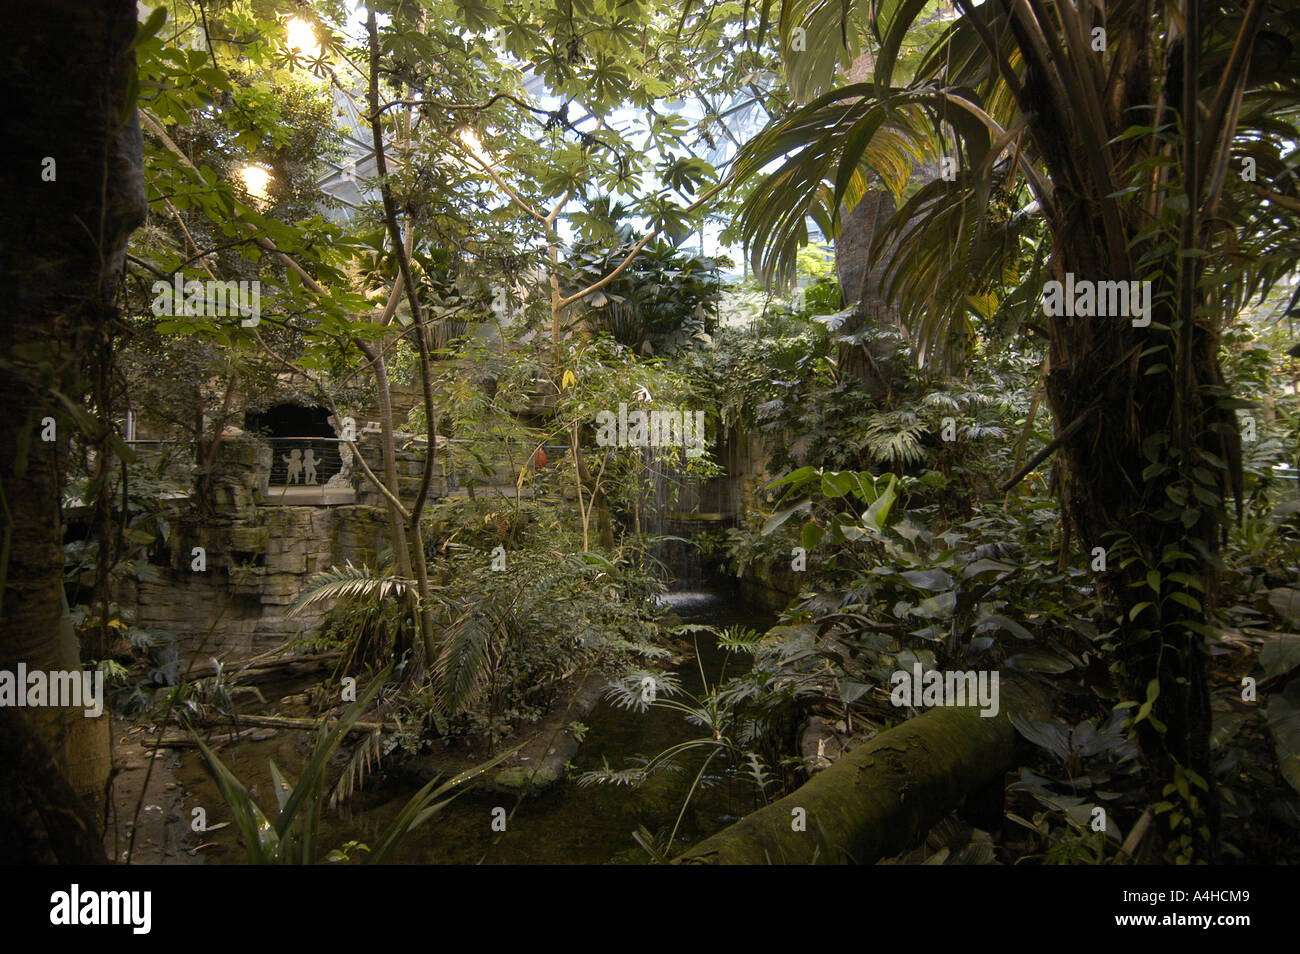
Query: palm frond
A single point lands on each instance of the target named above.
(463, 666)
(895, 436)
(363, 761)
(637, 689)
(351, 582)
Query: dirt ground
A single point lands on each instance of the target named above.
(163, 835)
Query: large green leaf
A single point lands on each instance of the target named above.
(1285, 601)
(928, 579)
(997, 621)
(878, 512)
(1052, 735)
(939, 606)
(781, 516)
(1281, 654)
(1039, 660)
(1284, 724)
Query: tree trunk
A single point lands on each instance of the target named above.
(861, 278)
(1112, 502)
(74, 191)
(1149, 454)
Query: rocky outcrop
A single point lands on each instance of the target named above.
(238, 482)
(251, 572)
(772, 585)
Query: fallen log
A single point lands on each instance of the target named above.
(215, 743)
(879, 799)
(252, 669)
(290, 722)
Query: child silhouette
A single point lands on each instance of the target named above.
(294, 460)
(309, 466)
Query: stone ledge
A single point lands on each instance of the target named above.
(310, 496)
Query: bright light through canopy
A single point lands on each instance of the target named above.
(471, 142)
(301, 38)
(256, 179)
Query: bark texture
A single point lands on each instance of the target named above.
(74, 191)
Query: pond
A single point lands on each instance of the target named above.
(568, 824)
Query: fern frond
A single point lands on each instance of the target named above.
(758, 772)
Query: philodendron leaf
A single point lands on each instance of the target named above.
(996, 621)
(928, 579)
(1280, 655)
(878, 512)
(1054, 736)
(985, 568)
(781, 516)
(1285, 602)
(937, 607)
(1284, 724)
(1039, 660)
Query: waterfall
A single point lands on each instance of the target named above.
(665, 496)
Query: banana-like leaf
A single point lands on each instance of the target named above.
(261, 839)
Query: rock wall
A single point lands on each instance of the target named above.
(224, 578)
(237, 604)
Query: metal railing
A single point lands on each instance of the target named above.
(304, 461)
